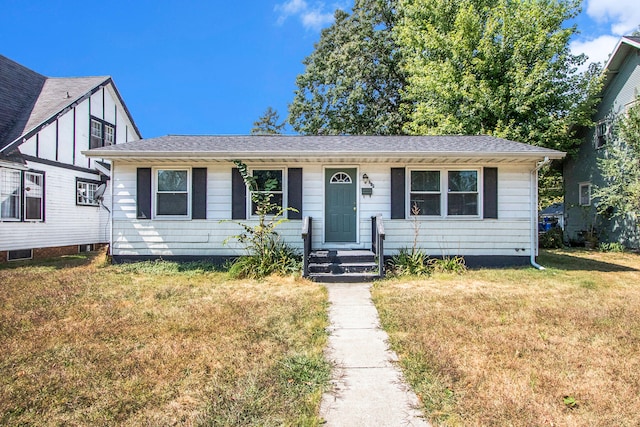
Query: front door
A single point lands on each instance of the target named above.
(340, 205)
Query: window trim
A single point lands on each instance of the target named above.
(87, 181)
(582, 185)
(439, 192)
(283, 191)
(20, 174)
(25, 189)
(444, 193)
(103, 133)
(154, 202)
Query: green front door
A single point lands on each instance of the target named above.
(340, 205)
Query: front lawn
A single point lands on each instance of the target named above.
(522, 347)
(85, 343)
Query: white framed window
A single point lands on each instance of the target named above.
(427, 197)
(102, 133)
(340, 178)
(33, 196)
(270, 182)
(172, 196)
(425, 194)
(462, 193)
(10, 194)
(584, 193)
(85, 193)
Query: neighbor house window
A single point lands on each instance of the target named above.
(102, 133)
(33, 196)
(585, 193)
(602, 133)
(85, 193)
(462, 195)
(172, 195)
(425, 193)
(10, 194)
(269, 182)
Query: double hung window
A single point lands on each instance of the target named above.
(462, 198)
(584, 190)
(21, 195)
(425, 193)
(172, 192)
(269, 185)
(10, 194)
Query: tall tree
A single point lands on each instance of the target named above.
(268, 124)
(352, 80)
(494, 67)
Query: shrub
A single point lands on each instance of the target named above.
(552, 239)
(276, 257)
(449, 265)
(611, 247)
(410, 262)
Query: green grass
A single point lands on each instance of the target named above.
(158, 343)
(520, 346)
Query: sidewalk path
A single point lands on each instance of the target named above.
(368, 388)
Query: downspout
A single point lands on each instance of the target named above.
(534, 212)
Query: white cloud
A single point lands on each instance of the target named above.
(622, 15)
(313, 15)
(598, 49)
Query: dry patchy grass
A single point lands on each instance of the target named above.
(84, 343)
(521, 347)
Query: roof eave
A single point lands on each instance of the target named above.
(230, 155)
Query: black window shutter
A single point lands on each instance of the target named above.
(490, 192)
(398, 193)
(199, 193)
(143, 191)
(294, 193)
(238, 196)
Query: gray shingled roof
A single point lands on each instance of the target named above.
(19, 91)
(281, 146)
(29, 99)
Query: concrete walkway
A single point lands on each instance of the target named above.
(368, 387)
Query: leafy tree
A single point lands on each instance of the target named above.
(268, 124)
(352, 80)
(494, 67)
(620, 168)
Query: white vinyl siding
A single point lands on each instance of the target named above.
(507, 236)
(65, 223)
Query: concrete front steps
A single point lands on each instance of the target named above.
(339, 266)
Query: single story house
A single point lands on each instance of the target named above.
(474, 196)
(48, 188)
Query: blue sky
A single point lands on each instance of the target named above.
(205, 67)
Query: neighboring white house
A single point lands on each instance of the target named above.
(47, 186)
(476, 195)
